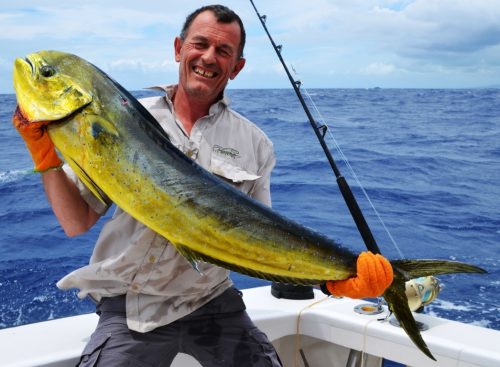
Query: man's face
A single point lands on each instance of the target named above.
(208, 57)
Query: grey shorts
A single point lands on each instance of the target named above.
(218, 334)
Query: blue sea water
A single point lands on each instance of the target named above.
(429, 160)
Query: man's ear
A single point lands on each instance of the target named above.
(177, 48)
(237, 68)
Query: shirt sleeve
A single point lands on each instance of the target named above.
(97, 205)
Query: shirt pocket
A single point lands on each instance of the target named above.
(235, 174)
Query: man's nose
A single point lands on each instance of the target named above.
(208, 56)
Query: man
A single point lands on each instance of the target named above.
(152, 303)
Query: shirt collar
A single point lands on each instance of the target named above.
(170, 90)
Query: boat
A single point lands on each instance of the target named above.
(317, 332)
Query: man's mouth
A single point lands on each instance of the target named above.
(204, 73)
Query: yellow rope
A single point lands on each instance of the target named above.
(297, 331)
(363, 350)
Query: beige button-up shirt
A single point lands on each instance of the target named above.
(160, 285)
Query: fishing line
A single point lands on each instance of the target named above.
(350, 168)
(320, 131)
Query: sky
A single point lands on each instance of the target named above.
(329, 43)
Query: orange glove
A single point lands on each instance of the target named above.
(374, 275)
(38, 142)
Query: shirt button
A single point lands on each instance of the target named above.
(152, 259)
(135, 287)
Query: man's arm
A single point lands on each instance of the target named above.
(73, 213)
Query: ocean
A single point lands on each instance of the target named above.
(429, 160)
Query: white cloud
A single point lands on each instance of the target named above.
(142, 65)
(327, 41)
(421, 25)
(84, 20)
(378, 69)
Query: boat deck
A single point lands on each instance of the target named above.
(330, 320)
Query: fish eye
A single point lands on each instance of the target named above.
(47, 71)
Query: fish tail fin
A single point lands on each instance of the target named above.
(395, 295)
(424, 267)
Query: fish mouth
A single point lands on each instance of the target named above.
(30, 64)
(27, 65)
(21, 119)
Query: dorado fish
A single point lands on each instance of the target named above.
(117, 148)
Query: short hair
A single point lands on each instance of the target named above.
(223, 15)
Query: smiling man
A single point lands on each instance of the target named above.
(152, 309)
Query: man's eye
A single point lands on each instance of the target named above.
(47, 71)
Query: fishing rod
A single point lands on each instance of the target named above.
(320, 131)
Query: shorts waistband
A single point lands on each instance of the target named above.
(112, 304)
(229, 301)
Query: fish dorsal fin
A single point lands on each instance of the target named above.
(91, 185)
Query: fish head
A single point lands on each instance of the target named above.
(43, 91)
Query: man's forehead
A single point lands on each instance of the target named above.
(207, 22)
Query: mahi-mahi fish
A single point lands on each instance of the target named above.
(117, 148)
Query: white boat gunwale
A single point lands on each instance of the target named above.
(59, 342)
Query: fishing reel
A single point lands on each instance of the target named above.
(422, 291)
(419, 292)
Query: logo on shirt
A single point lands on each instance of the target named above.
(228, 152)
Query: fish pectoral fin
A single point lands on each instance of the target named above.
(87, 180)
(101, 128)
(195, 266)
(191, 256)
